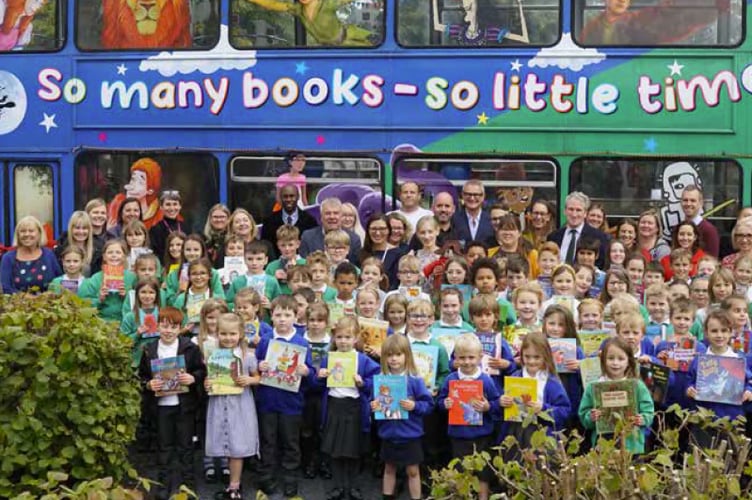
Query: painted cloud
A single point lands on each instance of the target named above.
(566, 55)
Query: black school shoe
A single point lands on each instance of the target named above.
(325, 471)
(310, 470)
(290, 488)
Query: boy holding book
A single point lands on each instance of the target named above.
(267, 286)
(318, 267)
(497, 359)
(288, 243)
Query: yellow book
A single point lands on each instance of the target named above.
(521, 390)
(342, 368)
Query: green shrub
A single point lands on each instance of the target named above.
(69, 402)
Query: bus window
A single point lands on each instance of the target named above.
(509, 182)
(33, 194)
(316, 23)
(31, 25)
(627, 187)
(658, 22)
(115, 176)
(147, 24)
(254, 182)
(477, 23)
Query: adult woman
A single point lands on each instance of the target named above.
(129, 210)
(741, 240)
(97, 210)
(30, 267)
(541, 223)
(350, 220)
(79, 234)
(400, 231)
(215, 233)
(596, 217)
(242, 225)
(616, 255)
(376, 244)
(510, 240)
(686, 236)
(649, 240)
(626, 232)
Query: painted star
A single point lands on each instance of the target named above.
(482, 118)
(650, 144)
(121, 69)
(48, 122)
(675, 68)
(516, 65)
(301, 68)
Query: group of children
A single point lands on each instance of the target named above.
(503, 321)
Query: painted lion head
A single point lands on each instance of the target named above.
(143, 24)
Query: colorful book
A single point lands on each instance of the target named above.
(655, 333)
(720, 379)
(615, 398)
(514, 335)
(389, 390)
(656, 378)
(222, 367)
(590, 370)
(183, 279)
(566, 301)
(319, 350)
(491, 345)
(465, 290)
(113, 277)
(283, 359)
(373, 331)
(342, 369)
(681, 353)
(336, 312)
(135, 253)
(410, 292)
(447, 336)
(149, 320)
(740, 343)
(545, 283)
(463, 393)
(591, 340)
(168, 370)
(257, 282)
(234, 267)
(193, 307)
(70, 285)
(522, 390)
(563, 350)
(426, 362)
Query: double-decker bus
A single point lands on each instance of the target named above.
(627, 101)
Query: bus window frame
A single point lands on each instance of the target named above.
(9, 170)
(61, 16)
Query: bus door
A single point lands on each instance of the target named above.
(32, 188)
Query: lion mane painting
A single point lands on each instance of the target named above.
(143, 24)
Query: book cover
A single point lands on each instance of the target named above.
(167, 370)
(70, 285)
(234, 267)
(491, 344)
(373, 331)
(447, 336)
(656, 379)
(609, 327)
(545, 283)
(319, 350)
(521, 390)
(342, 369)
(463, 393)
(740, 343)
(410, 292)
(336, 312)
(389, 390)
(655, 333)
(465, 290)
(284, 359)
(566, 301)
(590, 370)
(514, 335)
(113, 277)
(222, 366)
(257, 282)
(614, 397)
(426, 362)
(193, 307)
(135, 253)
(591, 340)
(183, 280)
(720, 379)
(563, 350)
(681, 353)
(149, 320)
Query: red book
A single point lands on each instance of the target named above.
(113, 277)
(463, 393)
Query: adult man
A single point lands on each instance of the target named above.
(410, 198)
(290, 215)
(443, 209)
(331, 219)
(691, 202)
(473, 223)
(576, 207)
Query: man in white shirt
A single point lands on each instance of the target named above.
(410, 196)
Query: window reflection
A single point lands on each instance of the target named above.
(33, 25)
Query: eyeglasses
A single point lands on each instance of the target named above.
(172, 192)
(472, 195)
(744, 236)
(407, 271)
(418, 316)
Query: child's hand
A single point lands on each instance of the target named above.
(155, 384)
(264, 366)
(499, 363)
(747, 396)
(323, 373)
(692, 392)
(644, 359)
(243, 380)
(638, 420)
(186, 379)
(375, 405)
(121, 289)
(281, 275)
(102, 293)
(572, 364)
(407, 404)
(481, 405)
(374, 352)
(265, 302)
(595, 415)
(142, 329)
(448, 402)
(663, 356)
(506, 401)
(188, 328)
(302, 370)
(435, 392)
(358, 380)
(535, 406)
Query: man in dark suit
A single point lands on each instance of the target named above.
(472, 223)
(331, 219)
(691, 202)
(576, 207)
(290, 215)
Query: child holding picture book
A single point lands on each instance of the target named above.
(178, 281)
(618, 364)
(560, 329)
(346, 405)
(72, 258)
(140, 324)
(497, 358)
(107, 288)
(198, 291)
(400, 436)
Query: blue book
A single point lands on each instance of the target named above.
(720, 379)
(655, 333)
(426, 362)
(447, 336)
(389, 390)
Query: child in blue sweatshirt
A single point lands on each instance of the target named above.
(281, 412)
(558, 323)
(347, 411)
(718, 327)
(401, 439)
(466, 439)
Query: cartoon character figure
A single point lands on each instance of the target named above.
(16, 27)
(676, 177)
(283, 361)
(338, 373)
(470, 415)
(321, 19)
(144, 185)
(386, 400)
(141, 24)
(293, 365)
(471, 33)
(516, 199)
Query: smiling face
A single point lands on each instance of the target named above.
(575, 212)
(113, 255)
(131, 212)
(171, 208)
(199, 277)
(627, 235)
(368, 305)
(344, 340)
(718, 334)
(595, 217)
(533, 360)
(455, 274)
(72, 264)
(691, 202)
(450, 308)
(229, 334)
(241, 225)
(135, 239)
(647, 227)
(591, 317)
(192, 251)
(331, 216)
(467, 360)
(147, 296)
(219, 219)
(168, 332)
(98, 216)
(28, 236)
(617, 362)
(527, 305)
(563, 284)
(484, 321)
(396, 314)
(288, 195)
(80, 233)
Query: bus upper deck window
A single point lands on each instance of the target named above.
(34, 26)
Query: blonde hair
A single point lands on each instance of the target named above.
(233, 216)
(468, 343)
(397, 344)
(529, 287)
(235, 319)
(348, 324)
(30, 220)
(81, 218)
(338, 237)
(420, 306)
(209, 306)
(630, 319)
(657, 290)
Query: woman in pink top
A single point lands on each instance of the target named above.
(295, 177)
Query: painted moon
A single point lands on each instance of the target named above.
(12, 102)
